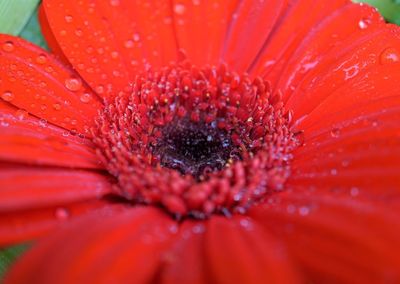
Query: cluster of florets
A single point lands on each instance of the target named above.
(196, 141)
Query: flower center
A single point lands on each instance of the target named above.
(193, 148)
(196, 141)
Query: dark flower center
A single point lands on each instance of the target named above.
(196, 141)
(194, 148)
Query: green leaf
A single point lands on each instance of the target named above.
(32, 32)
(390, 9)
(14, 14)
(8, 256)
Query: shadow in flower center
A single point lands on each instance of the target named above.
(196, 149)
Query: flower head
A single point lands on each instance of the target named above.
(196, 142)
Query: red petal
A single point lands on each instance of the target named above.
(320, 50)
(49, 37)
(35, 81)
(201, 28)
(22, 226)
(121, 248)
(109, 41)
(28, 187)
(356, 148)
(186, 261)
(253, 24)
(336, 240)
(347, 67)
(239, 251)
(26, 139)
(294, 27)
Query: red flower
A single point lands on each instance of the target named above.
(227, 142)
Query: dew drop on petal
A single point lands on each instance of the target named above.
(198, 229)
(4, 123)
(114, 54)
(115, 3)
(136, 37)
(41, 59)
(99, 89)
(68, 18)
(354, 191)
(389, 55)
(73, 84)
(21, 114)
(8, 46)
(62, 213)
(245, 224)
(78, 32)
(335, 132)
(304, 210)
(43, 122)
(179, 8)
(129, 43)
(85, 98)
(7, 96)
(57, 106)
(364, 23)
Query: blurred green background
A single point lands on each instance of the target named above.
(19, 17)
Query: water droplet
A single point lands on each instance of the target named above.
(99, 89)
(62, 213)
(4, 123)
(136, 37)
(129, 43)
(179, 8)
(354, 191)
(7, 96)
(68, 18)
(114, 54)
(364, 23)
(73, 84)
(78, 32)
(198, 229)
(304, 210)
(8, 46)
(389, 55)
(57, 106)
(21, 114)
(115, 3)
(41, 59)
(43, 122)
(73, 131)
(85, 98)
(335, 132)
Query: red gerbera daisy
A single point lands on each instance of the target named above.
(203, 142)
